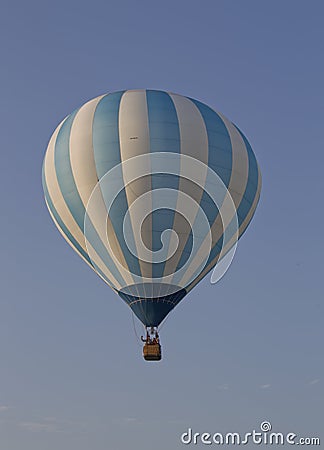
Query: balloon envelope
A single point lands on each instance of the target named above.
(151, 189)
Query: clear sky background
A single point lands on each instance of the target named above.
(245, 350)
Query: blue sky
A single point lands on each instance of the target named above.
(247, 349)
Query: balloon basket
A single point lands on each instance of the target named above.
(152, 348)
(152, 352)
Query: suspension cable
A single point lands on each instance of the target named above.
(138, 340)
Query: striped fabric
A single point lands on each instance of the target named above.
(124, 156)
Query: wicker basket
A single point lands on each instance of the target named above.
(152, 352)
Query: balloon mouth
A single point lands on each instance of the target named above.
(152, 302)
(150, 290)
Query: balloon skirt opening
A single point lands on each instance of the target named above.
(151, 311)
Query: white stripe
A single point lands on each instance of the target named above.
(134, 141)
(58, 201)
(81, 150)
(85, 177)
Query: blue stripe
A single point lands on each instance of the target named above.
(59, 220)
(219, 143)
(106, 147)
(252, 184)
(71, 195)
(164, 137)
(250, 189)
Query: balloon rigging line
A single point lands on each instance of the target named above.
(135, 331)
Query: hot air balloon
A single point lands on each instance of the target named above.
(152, 189)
